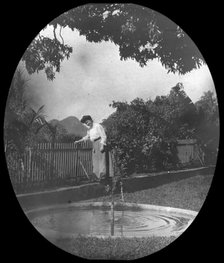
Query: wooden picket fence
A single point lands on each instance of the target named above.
(60, 164)
(49, 164)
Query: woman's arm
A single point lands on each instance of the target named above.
(102, 134)
(85, 138)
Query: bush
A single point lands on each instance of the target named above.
(141, 139)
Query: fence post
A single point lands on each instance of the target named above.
(52, 161)
(29, 161)
(76, 162)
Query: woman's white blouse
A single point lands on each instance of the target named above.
(95, 132)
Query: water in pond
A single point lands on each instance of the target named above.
(118, 223)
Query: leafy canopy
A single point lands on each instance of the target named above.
(141, 34)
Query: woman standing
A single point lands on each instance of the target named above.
(101, 157)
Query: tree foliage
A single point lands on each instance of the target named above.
(22, 122)
(25, 127)
(141, 34)
(208, 130)
(45, 54)
(144, 134)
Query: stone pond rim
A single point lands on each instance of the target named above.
(138, 220)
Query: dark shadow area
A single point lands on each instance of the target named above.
(95, 190)
(142, 183)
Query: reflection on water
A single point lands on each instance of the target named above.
(112, 219)
(96, 221)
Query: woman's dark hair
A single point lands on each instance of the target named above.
(86, 118)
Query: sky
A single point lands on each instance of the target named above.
(94, 76)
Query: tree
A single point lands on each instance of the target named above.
(20, 135)
(21, 123)
(208, 130)
(141, 34)
(178, 111)
(208, 107)
(183, 112)
(145, 133)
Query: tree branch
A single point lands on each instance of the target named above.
(61, 36)
(55, 33)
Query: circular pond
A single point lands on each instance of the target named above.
(100, 219)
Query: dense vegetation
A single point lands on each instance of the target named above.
(24, 127)
(144, 134)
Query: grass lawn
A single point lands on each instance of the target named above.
(188, 193)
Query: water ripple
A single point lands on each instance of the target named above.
(122, 223)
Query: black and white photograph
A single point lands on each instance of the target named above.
(111, 132)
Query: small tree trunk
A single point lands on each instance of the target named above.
(29, 162)
(22, 167)
(112, 212)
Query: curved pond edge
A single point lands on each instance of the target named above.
(53, 235)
